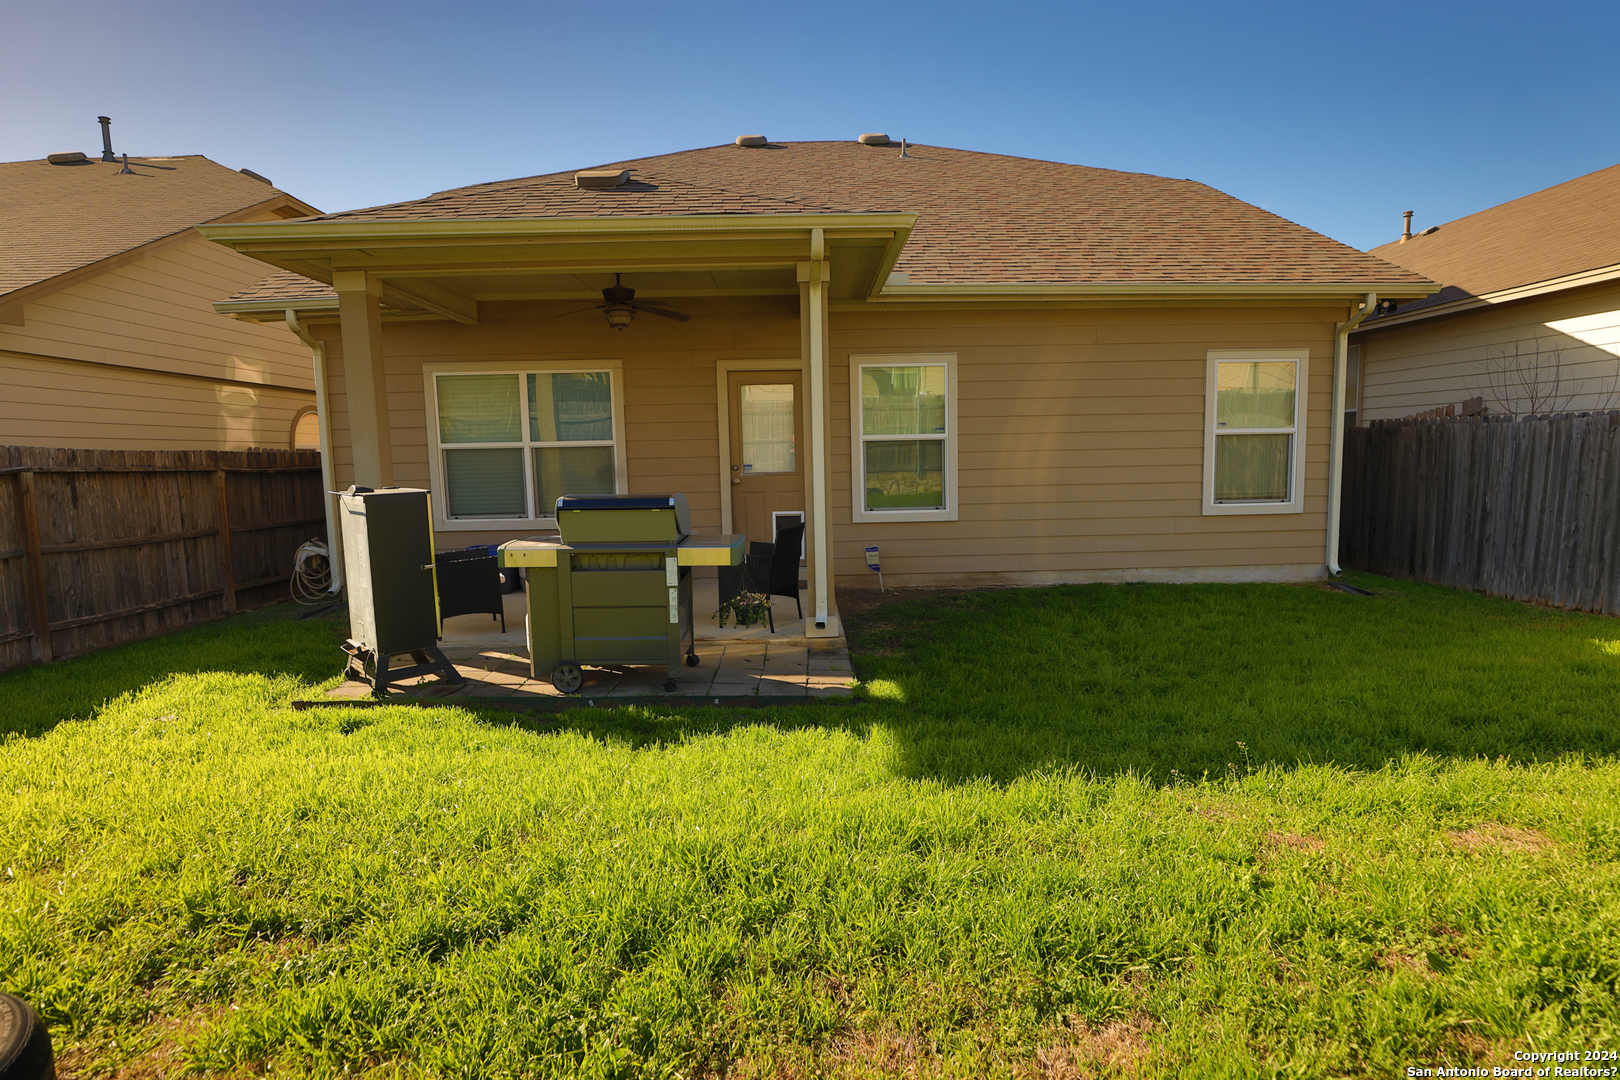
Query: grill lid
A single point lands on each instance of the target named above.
(618, 519)
(615, 502)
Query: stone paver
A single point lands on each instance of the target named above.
(748, 668)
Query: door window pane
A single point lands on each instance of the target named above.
(1255, 394)
(903, 400)
(905, 473)
(484, 483)
(1251, 468)
(765, 414)
(570, 470)
(480, 409)
(572, 407)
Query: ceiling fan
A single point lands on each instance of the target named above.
(620, 305)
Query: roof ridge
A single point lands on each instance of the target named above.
(917, 146)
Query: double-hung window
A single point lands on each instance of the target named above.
(1255, 431)
(508, 443)
(903, 437)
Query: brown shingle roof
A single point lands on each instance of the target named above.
(285, 285)
(1561, 230)
(647, 194)
(56, 218)
(983, 218)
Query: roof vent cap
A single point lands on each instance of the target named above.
(251, 175)
(601, 178)
(752, 140)
(873, 139)
(1430, 231)
(72, 158)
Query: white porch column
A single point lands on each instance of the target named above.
(813, 278)
(361, 318)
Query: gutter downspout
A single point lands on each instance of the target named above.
(323, 424)
(1341, 360)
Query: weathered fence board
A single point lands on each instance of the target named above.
(1527, 508)
(101, 547)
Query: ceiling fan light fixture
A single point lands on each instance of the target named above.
(619, 315)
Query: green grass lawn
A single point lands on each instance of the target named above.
(1194, 831)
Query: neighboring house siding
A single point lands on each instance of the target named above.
(95, 407)
(1081, 431)
(1444, 361)
(150, 364)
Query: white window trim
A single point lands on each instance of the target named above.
(857, 456)
(443, 523)
(1302, 368)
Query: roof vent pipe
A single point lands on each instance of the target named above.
(106, 139)
(903, 147)
(1406, 228)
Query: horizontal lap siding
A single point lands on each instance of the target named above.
(158, 313)
(672, 418)
(137, 359)
(1080, 432)
(1409, 370)
(1080, 442)
(52, 403)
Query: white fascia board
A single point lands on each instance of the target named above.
(358, 232)
(1529, 291)
(1336, 291)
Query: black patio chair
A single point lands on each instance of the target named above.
(775, 567)
(469, 584)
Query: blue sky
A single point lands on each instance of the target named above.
(1335, 116)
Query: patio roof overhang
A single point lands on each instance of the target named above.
(446, 269)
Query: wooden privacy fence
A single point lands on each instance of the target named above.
(1524, 508)
(101, 547)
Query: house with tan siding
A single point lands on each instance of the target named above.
(1528, 321)
(108, 336)
(995, 369)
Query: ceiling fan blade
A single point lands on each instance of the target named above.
(678, 316)
(576, 311)
(652, 303)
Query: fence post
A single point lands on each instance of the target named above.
(226, 572)
(39, 615)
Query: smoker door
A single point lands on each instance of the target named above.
(388, 552)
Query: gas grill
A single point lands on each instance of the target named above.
(615, 586)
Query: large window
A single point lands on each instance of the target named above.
(903, 437)
(1255, 416)
(508, 443)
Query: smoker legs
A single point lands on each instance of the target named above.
(429, 661)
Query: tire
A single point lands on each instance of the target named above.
(692, 659)
(567, 677)
(25, 1045)
(669, 687)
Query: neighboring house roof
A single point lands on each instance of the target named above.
(982, 218)
(1556, 233)
(55, 219)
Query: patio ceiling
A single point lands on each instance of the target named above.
(447, 268)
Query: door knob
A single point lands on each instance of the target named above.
(736, 479)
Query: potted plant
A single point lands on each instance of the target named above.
(748, 608)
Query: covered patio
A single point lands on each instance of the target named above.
(414, 303)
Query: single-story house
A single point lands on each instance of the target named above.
(108, 336)
(1528, 321)
(995, 369)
